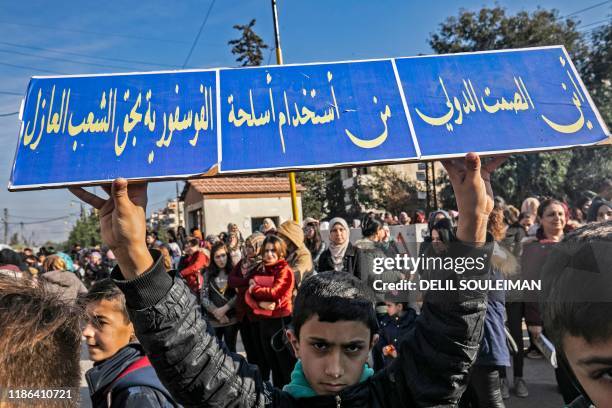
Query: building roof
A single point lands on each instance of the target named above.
(242, 185)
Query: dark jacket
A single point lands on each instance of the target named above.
(138, 388)
(392, 330)
(349, 261)
(213, 297)
(494, 348)
(512, 241)
(432, 368)
(535, 254)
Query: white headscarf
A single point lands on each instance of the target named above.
(338, 251)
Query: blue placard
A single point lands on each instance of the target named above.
(92, 129)
(505, 101)
(79, 130)
(312, 116)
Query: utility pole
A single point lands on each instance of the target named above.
(6, 225)
(427, 188)
(433, 179)
(178, 210)
(279, 61)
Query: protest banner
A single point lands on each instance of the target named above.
(169, 125)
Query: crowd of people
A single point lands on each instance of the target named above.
(267, 287)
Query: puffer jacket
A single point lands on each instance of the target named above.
(431, 370)
(280, 292)
(299, 260)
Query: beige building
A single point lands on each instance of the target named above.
(211, 203)
(169, 217)
(412, 171)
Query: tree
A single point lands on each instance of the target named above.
(589, 167)
(551, 174)
(314, 202)
(388, 189)
(248, 47)
(14, 239)
(86, 231)
(334, 195)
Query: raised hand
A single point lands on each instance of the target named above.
(471, 183)
(123, 223)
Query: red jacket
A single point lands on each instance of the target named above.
(281, 291)
(191, 270)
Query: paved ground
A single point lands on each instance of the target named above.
(539, 376)
(540, 379)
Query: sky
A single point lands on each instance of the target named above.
(84, 37)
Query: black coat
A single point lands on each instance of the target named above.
(349, 261)
(431, 370)
(139, 388)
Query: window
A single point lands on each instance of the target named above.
(257, 222)
(195, 219)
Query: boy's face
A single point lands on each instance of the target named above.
(592, 365)
(107, 330)
(394, 308)
(332, 354)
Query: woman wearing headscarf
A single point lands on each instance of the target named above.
(232, 227)
(239, 280)
(341, 255)
(235, 247)
(268, 226)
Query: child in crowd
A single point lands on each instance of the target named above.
(122, 375)
(401, 319)
(334, 322)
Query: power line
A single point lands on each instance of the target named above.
(31, 68)
(106, 34)
(593, 29)
(586, 9)
(4, 115)
(608, 20)
(44, 221)
(63, 59)
(10, 93)
(195, 41)
(32, 47)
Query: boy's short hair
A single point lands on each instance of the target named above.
(333, 297)
(105, 289)
(41, 338)
(576, 285)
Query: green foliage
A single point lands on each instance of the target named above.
(334, 195)
(560, 174)
(314, 197)
(388, 189)
(248, 47)
(14, 239)
(86, 231)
